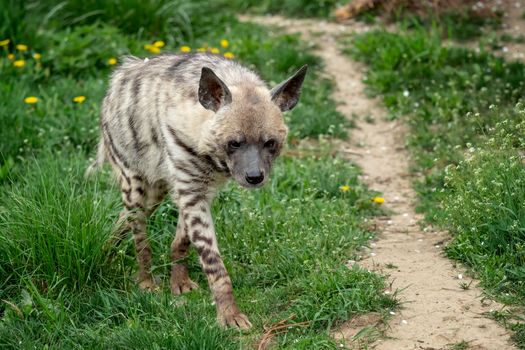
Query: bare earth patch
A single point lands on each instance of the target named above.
(441, 305)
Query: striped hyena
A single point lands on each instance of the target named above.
(183, 124)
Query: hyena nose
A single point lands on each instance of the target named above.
(254, 177)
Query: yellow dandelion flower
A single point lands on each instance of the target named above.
(344, 188)
(185, 48)
(21, 47)
(201, 49)
(159, 44)
(4, 42)
(19, 63)
(225, 43)
(112, 61)
(37, 56)
(215, 50)
(229, 55)
(79, 99)
(11, 56)
(378, 200)
(152, 49)
(31, 100)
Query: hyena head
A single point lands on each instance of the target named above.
(248, 131)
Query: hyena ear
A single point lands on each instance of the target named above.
(213, 93)
(286, 94)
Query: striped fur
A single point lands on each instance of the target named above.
(171, 126)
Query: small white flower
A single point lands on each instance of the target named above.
(406, 93)
(460, 276)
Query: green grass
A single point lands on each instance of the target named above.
(462, 345)
(63, 286)
(291, 8)
(177, 22)
(460, 26)
(458, 21)
(47, 237)
(442, 89)
(466, 136)
(488, 188)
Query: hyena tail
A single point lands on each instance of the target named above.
(99, 160)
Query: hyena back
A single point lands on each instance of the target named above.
(181, 125)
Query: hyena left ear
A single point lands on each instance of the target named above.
(213, 93)
(286, 94)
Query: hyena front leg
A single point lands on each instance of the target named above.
(139, 199)
(197, 218)
(180, 281)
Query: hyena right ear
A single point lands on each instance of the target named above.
(213, 93)
(286, 94)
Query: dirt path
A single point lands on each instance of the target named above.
(437, 312)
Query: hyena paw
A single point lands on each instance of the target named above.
(148, 285)
(234, 319)
(183, 286)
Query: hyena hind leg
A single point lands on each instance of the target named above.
(180, 280)
(140, 199)
(153, 196)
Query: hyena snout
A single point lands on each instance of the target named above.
(254, 177)
(250, 166)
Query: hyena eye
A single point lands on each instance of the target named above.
(233, 145)
(270, 144)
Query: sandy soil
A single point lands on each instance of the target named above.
(436, 312)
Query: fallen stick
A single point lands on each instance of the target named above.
(278, 328)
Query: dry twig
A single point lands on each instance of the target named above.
(278, 328)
